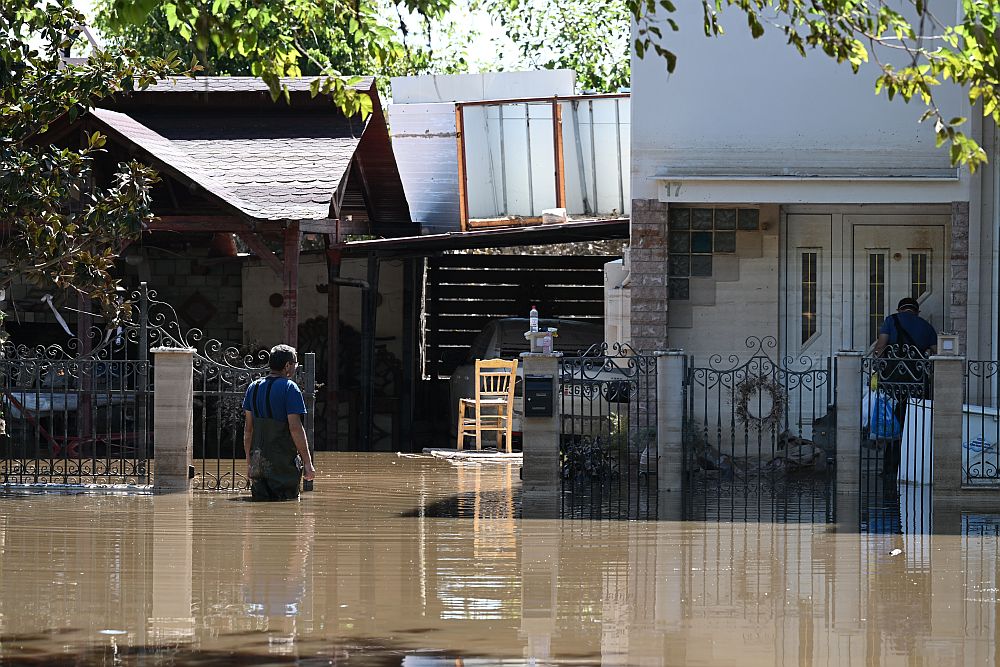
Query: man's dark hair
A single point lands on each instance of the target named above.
(908, 303)
(280, 356)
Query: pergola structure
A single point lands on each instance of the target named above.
(232, 161)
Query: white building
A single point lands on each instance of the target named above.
(775, 195)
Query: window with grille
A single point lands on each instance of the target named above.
(809, 290)
(920, 277)
(876, 293)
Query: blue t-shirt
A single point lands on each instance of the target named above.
(286, 398)
(919, 329)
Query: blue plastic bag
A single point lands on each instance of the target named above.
(882, 423)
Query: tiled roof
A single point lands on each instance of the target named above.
(171, 158)
(268, 168)
(238, 84)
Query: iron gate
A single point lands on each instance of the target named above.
(608, 441)
(76, 418)
(221, 377)
(896, 422)
(760, 427)
(82, 413)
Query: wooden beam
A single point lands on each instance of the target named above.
(256, 244)
(463, 183)
(199, 223)
(557, 144)
(333, 257)
(290, 279)
(334, 226)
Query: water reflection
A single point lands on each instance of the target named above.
(365, 570)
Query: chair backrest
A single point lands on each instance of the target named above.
(495, 378)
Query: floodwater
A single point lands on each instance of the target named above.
(416, 561)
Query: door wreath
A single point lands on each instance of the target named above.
(756, 384)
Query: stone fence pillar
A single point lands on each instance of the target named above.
(849, 381)
(173, 418)
(670, 420)
(946, 441)
(540, 468)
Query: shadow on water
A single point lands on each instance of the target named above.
(489, 504)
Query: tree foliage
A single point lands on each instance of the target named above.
(58, 229)
(329, 39)
(590, 37)
(915, 51)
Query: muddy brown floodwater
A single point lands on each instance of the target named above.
(416, 561)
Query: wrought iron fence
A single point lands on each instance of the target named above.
(608, 442)
(981, 426)
(896, 423)
(76, 414)
(750, 425)
(82, 413)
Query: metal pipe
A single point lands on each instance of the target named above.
(587, 210)
(528, 100)
(503, 162)
(593, 155)
(618, 147)
(531, 178)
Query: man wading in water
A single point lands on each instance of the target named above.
(273, 434)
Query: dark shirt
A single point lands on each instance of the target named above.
(286, 398)
(920, 330)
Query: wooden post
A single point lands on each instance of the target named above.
(463, 183)
(558, 159)
(369, 323)
(290, 278)
(333, 259)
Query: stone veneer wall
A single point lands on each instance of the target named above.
(648, 275)
(959, 297)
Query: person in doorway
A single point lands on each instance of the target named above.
(274, 437)
(905, 338)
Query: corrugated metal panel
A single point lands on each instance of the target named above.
(476, 87)
(426, 147)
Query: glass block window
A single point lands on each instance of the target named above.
(680, 289)
(725, 218)
(876, 293)
(725, 242)
(695, 235)
(680, 218)
(920, 277)
(749, 219)
(701, 218)
(701, 241)
(809, 289)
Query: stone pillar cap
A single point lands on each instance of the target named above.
(850, 353)
(543, 355)
(173, 350)
(670, 352)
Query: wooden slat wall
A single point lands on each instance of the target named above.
(465, 292)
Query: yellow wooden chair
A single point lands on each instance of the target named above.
(493, 407)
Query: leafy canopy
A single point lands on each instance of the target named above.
(59, 230)
(331, 39)
(590, 37)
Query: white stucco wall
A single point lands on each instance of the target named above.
(740, 109)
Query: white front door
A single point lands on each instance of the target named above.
(842, 274)
(892, 262)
